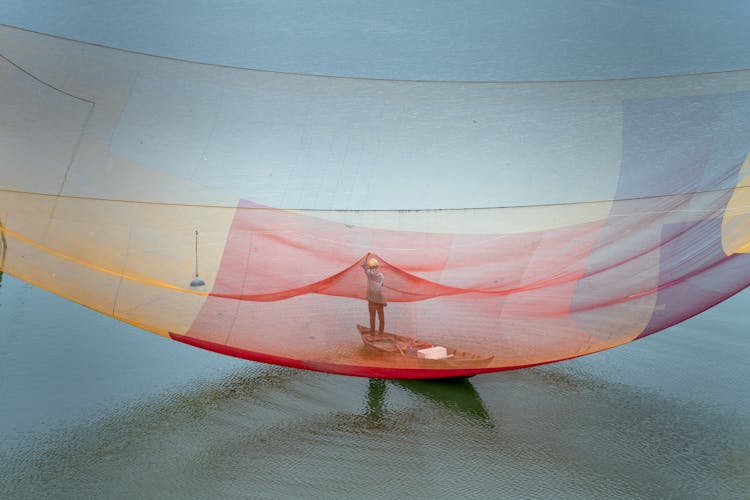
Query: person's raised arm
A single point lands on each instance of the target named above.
(367, 257)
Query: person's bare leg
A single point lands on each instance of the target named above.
(381, 318)
(371, 308)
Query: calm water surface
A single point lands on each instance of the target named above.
(92, 407)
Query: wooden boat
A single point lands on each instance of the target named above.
(407, 348)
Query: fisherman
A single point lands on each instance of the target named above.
(375, 299)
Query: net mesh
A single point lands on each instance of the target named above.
(512, 224)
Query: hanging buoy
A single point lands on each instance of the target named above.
(196, 281)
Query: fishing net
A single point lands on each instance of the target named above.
(514, 224)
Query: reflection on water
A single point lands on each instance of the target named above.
(456, 394)
(274, 432)
(375, 399)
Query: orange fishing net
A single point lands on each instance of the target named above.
(513, 224)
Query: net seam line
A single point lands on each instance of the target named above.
(387, 210)
(46, 84)
(372, 79)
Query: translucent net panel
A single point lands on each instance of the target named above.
(622, 207)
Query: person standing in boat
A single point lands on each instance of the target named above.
(375, 299)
